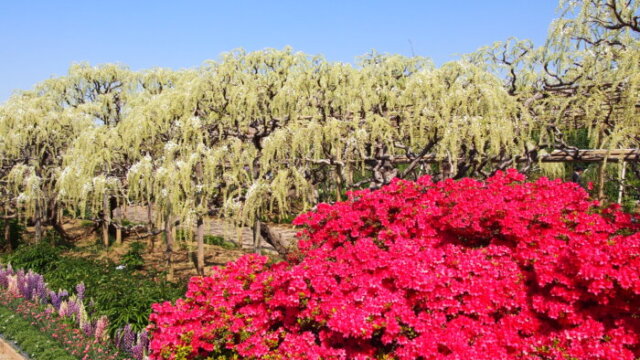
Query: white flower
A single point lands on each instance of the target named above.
(195, 122)
(170, 146)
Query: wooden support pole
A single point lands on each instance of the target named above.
(200, 245)
(256, 237)
(623, 174)
(106, 219)
(168, 233)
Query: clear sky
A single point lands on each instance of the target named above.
(41, 38)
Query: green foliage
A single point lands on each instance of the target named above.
(87, 223)
(186, 235)
(38, 345)
(133, 258)
(219, 241)
(16, 230)
(124, 296)
(126, 222)
(40, 258)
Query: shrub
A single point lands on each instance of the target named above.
(219, 241)
(122, 295)
(502, 269)
(16, 229)
(40, 257)
(133, 258)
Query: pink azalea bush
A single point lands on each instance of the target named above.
(500, 269)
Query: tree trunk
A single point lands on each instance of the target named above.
(152, 239)
(118, 234)
(601, 178)
(274, 239)
(106, 219)
(149, 218)
(57, 226)
(446, 169)
(200, 222)
(38, 226)
(200, 244)
(168, 232)
(7, 235)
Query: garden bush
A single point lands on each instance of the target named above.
(500, 269)
(41, 257)
(16, 229)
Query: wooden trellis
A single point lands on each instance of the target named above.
(592, 155)
(568, 155)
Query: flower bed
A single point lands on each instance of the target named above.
(65, 319)
(32, 341)
(501, 269)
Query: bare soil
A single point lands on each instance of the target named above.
(88, 244)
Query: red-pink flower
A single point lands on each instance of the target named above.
(500, 269)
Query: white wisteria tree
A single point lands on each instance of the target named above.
(264, 135)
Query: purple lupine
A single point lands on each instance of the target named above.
(87, 328)
(33, 283)
(117, 338)
(56, 298)
(141, 346)
(143, 338)
(80, 288)
(21, 283)
(73, 308)
(138, 351)
(4, 276)
(41, 292)
(128, 338)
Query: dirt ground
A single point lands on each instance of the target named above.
(88, 243)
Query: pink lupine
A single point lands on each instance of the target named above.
(101, 328)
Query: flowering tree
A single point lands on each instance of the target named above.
(271, 133)
(501, 269)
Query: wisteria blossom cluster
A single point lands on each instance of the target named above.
(495, 269)
(31, 287)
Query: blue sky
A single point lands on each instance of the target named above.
(40, 38)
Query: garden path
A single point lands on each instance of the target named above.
(8, 352)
